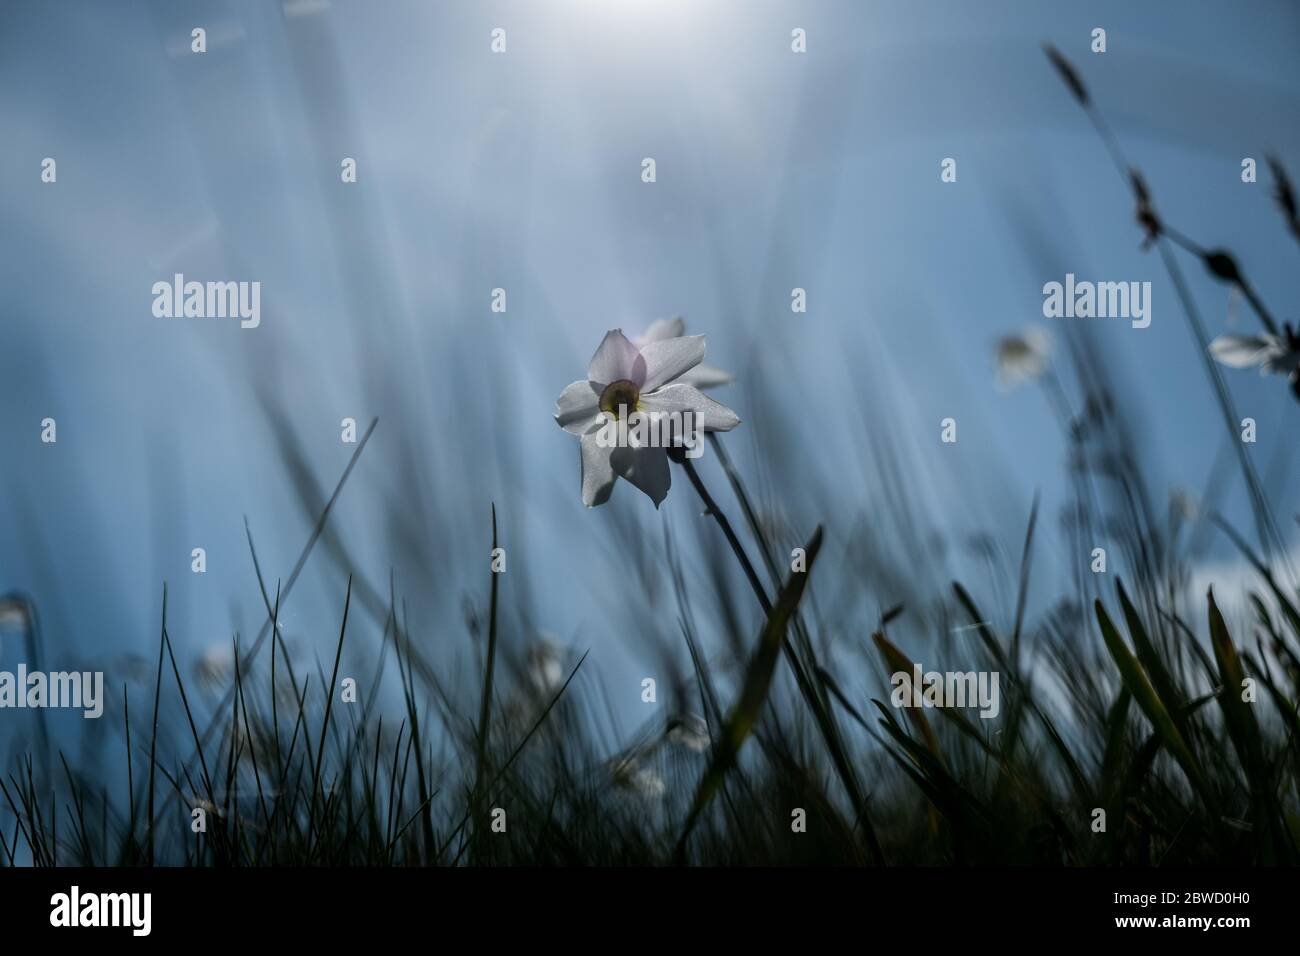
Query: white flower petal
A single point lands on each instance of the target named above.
(616, 359)
(713, 416)
(663, 329)
(646, 467)
(666, 359)
(597, 473)
(706, 376)
(1243, 351)
(578, 407)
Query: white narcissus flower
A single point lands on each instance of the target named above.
(1270, 352)
(703, 375)
(1024, 357)
(13, 620)
(644, 380)
(689, 731)
(630, 775)
(545, 665)
(13, 615)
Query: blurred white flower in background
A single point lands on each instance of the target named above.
(703, 375)
(646, 380)
(1024, 357)
(13, 622)
(1270, 352)
(215, 668)
(545, 665)
(13, 615)
(689, 731)
(630, 775)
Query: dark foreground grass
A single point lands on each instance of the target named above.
(1130, 741)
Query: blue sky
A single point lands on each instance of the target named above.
(522, 171)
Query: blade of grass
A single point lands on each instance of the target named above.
(758, 678)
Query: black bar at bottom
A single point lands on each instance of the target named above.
(334, 906)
